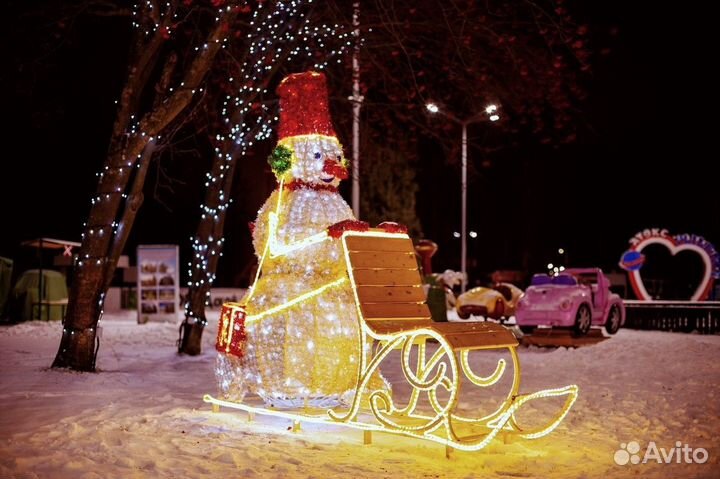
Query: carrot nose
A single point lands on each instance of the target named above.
(332, 167)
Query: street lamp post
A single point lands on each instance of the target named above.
(491, 113)
(356, 100)
(463, 208)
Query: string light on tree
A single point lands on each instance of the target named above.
(133, 142)
(274, 33)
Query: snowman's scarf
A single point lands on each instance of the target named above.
(300, 184)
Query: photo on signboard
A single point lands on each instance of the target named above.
(167, 295)
(148, 308)
(167, 308)
(148, 294)
(148, 267)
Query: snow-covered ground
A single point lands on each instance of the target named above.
(142, 415)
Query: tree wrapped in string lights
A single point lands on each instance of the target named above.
(159, 89)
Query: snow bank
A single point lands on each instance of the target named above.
(142, 415)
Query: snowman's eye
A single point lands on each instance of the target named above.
(317, 155)
(339, 157)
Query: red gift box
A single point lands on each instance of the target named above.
(231, 330)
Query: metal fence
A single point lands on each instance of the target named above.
(679, 316)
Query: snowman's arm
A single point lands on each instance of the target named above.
(337, 230)
(261, 232)
(280, 249)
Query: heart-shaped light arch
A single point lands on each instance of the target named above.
(675, 246)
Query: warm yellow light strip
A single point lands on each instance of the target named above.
(480, 380)
(504, 415)
(279, 249)
(512, 393)
(420, 382)
(364, 376)
(571, 391)
(290, 141)
(296, 300)
(361, 318)
(247, 297)
(415, 394)
(363, 340)
(440, 378)
(441, 370)
(228, 331)
(276, 249)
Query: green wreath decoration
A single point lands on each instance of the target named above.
(280, 159)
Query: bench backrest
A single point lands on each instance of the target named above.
(391, 298)
(387, 281)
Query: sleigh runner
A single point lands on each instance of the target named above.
(434, 356)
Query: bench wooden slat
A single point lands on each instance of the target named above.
(391, 294)
(375, 243)
(476, 335)
(387, 277)
(395, 311)
(389, 326)
(382, 259)
(473, 335)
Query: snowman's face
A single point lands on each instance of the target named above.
(317, 159)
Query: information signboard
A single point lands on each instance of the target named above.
(158, 283)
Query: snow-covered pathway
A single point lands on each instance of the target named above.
(142, 415)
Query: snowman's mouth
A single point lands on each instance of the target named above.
(334, 170)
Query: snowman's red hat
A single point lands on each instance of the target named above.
(304, 106)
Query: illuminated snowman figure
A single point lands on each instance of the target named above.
(301, 326)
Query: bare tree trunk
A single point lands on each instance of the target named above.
(207, 248)
(107, 228)
(91, 273)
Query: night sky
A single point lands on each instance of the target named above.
(642, 159)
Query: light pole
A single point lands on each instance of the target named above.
(356, 100)
(491, 114)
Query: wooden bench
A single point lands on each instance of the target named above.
(393, 313)
(391, 298)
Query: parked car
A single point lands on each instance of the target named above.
(576, 298)
(496, 302)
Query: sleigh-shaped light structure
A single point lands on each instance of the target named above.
(434, 357)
